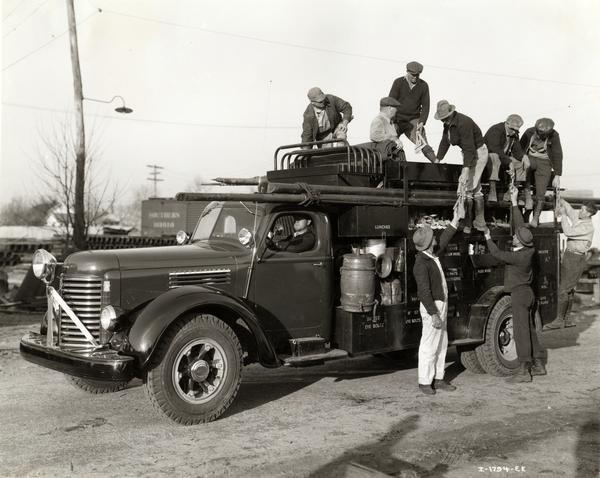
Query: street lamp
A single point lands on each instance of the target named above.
(121, 109)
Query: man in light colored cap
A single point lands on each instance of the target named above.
(413, 94)
(461, 131)
(542, 145)
(518, 277)
(577, 226)
(325, 118)
(382, 129)
(432, 291)
(502, 140)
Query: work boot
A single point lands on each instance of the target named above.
(538, 368)
(492, 197)
(443, 385)
(523, 374)
(427, 389)
(528, 198)
(429, 154)
(554, 325)
(535, 220)
(468, 216)
(479, 221)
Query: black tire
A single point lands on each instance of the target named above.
(196, 370)
(469, 360)
(498, 354)
(95, 386)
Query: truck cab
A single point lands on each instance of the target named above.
(186, 319)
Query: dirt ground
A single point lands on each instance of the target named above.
(361, 417)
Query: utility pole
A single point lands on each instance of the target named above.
(79, 220)
(154, 175)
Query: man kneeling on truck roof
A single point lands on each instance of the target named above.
(518, 277)
(432, 291)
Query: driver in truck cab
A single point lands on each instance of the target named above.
(301, 240)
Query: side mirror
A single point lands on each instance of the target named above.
(245, 237)
(181, 237)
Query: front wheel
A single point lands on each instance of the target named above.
(197, 370)
(498, 354)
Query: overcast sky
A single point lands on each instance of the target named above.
(216, 86)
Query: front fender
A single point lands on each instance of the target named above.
(480, 311)
(159, 314)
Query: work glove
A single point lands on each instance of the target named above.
(436, 321)
(556, 182)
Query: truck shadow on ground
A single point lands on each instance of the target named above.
(377, 458)
(569, 337)
(587, 450)
(260, 386)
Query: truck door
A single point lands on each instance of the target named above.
(293, 278)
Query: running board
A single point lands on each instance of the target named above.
(315, 359)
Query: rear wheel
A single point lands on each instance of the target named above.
(469, 360)
(196, 372)
(498, 354)
(95, 386)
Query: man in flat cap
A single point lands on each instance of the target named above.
(502, 141)
(518, 277)
(542, 145)
(461, 131)
(432, 291)
(326, 117)
(578, 227)
(382, 129)
(413, 94)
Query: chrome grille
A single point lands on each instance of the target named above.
(84, 296)
(199, 277)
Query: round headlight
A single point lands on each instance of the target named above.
(245, 237)
(43, 265)
(181, 237)
(108, 317)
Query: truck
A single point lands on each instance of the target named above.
(187, 319)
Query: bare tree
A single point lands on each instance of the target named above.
(58, 173)
(197, 185)
(25, 212)
(130, 212)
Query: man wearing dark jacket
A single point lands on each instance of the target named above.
(432, 291)
(542, 145)
(518, 276)
(413, 94)
(326, 117)
(505, 150)
(461, 131)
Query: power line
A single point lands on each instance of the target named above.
(47, 43)
(144, 120)
(344, 53)
(13, 10)
(26, 18)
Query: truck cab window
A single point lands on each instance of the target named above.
(292, 233)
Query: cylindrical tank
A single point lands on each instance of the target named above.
(375, 246)
(358, 282)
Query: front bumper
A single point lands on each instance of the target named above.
(102, 364)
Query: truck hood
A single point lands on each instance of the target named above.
(171, 257)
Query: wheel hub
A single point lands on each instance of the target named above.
(200, 370)
(504, 338)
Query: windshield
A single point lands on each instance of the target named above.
(224, 220)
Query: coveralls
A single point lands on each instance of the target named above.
(518, 276)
